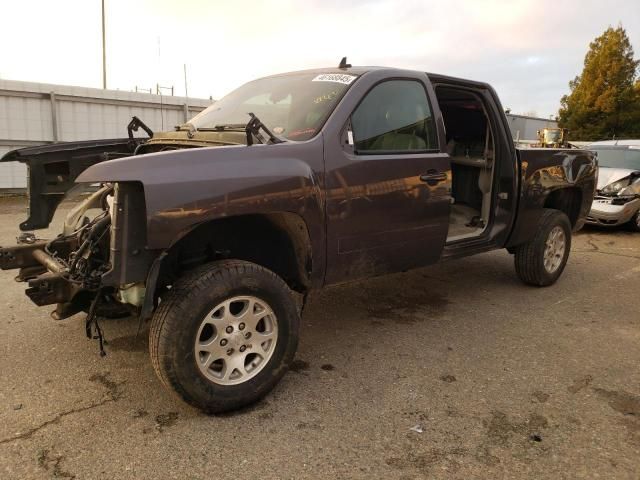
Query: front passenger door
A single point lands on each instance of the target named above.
(388, 185)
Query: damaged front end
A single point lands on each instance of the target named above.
(617, 199)
(98, 264)
(102, 263)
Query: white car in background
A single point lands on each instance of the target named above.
(617, 199)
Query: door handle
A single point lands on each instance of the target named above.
(433, 176)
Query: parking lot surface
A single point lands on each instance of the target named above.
(452, 371)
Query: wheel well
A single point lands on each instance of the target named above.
(277, 241)
(567, 200)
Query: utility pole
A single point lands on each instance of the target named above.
(104, 52)
(186, 93)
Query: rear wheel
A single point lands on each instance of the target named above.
(224, 335)
(541, 261)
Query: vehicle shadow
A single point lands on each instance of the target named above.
(622, 230)
(346, 321)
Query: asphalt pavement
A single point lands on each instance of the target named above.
(452, 371)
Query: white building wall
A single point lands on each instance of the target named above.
(27, 117)
(524, 128)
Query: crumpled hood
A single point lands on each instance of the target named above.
(607, 175)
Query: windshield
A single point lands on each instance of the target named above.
(618, 157)
(293, 106)
(551, 136)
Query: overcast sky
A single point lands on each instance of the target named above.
(528, 50)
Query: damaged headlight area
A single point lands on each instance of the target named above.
(67, 269)
(623, 190)
(92, 266)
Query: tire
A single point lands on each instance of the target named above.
(634, 223)
(532, 266)
(196, 314)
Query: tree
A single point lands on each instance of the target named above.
(605, 98)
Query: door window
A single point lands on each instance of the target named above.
(394, 117)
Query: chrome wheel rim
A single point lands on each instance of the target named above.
(235, 340)
(555, 247)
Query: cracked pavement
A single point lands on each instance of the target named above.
(452, 371)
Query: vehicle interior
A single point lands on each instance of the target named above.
(470, 143)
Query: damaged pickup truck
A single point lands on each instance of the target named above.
(217, 232)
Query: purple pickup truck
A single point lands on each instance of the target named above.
(216, 232)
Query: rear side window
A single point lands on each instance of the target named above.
(394, 117)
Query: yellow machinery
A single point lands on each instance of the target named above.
(553, 138)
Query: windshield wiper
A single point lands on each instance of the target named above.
(253, 130)
(226, 127)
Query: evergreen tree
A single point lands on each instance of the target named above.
(605, 98)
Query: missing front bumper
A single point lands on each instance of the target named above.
(47, 284)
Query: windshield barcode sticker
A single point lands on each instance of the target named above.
(335, 77)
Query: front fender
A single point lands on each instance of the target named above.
(184, 188)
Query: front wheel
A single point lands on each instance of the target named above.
(540, 261)
(224, 335)
(634, 223)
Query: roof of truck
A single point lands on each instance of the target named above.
(361, 70)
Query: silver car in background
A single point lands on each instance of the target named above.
(617, 199)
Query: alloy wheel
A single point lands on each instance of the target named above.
(235, 340)
(555, 247)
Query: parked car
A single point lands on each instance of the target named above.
(617, 200)
(218, 231)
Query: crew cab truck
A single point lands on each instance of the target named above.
(217, 232)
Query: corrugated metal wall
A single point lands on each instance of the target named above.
(526, 128)
(38, 113)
